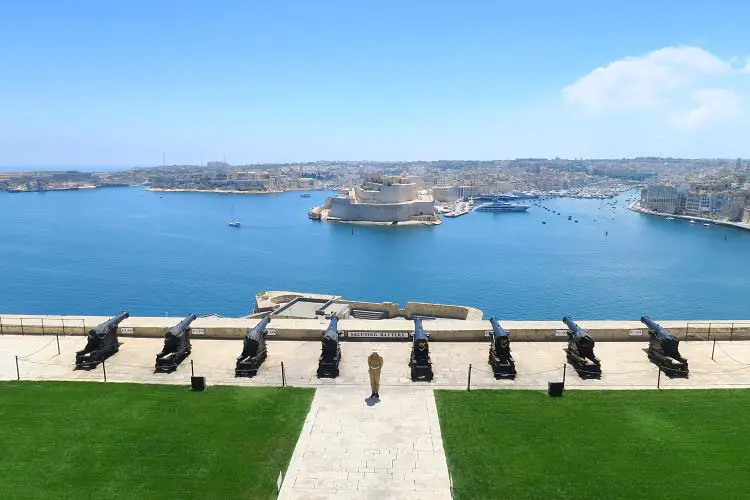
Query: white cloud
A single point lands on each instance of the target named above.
(712, 105)
(643, 81)
(687, 87)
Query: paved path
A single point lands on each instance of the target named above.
(351, 449)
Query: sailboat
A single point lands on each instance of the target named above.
(234, 222)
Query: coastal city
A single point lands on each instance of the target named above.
(374, 250)
(420, 192)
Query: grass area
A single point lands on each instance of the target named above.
(610, 444)
(145, 441)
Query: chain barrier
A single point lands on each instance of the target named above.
(731, 357)
(38, 350)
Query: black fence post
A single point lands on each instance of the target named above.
(713, 350)
(658, 379)
(731, 332)
(283, 375)
(192, 369)
(18, 372)
(468, 383)
(104, 370)
(709, 331)
(62, 321)
(21, 320)
(1, 326)
(565, 370)
(43, 332)
(57, 337)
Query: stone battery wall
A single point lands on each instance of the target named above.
(439, 329)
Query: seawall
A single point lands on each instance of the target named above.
(361, 329)
(736, 225)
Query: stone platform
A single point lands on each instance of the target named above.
(624, 364)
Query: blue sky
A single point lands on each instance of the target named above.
(117, 83)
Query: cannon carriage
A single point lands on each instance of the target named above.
(176, 346)
(663, 350)
(500, 358)
(102, 343)
(420, 362)
(254, 351)
(330, 354)
(580, 351)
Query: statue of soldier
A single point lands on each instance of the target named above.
(374, 364)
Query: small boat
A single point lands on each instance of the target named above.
(305, 195)
(544, 222)
(234, 222)
(692, 221)
(707, 224)
(670, 218)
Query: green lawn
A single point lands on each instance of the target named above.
(675, 444)
(145, 441)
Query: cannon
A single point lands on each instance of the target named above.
(176, 346)
(663, 350)
(420, 363)
(330, 355)
(254, 351)
(580, 351)
(503, 365)
(102, 343)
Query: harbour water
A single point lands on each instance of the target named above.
(101, 251)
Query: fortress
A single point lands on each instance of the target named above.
(382, 199)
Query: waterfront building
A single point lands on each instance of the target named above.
(250, 180)
(746, 215)
(445, 194)
(665, 199)
(724, 204)
(384, 199)
(467, 192)
(697, 203)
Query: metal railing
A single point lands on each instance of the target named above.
(41, 325)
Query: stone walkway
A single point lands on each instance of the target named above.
(352, 448)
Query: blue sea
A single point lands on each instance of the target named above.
(106, 250)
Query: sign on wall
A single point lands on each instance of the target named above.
(197, 331)
(635, 333)
(378, 335)
(126, 330)
(561, 333)
(270, 332)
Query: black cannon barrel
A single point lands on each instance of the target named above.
(419, 333)
(256, 331)
(574, 328)
(497, 330)
(181, 327)
(332, 332)
(103, 329)
(659, 331)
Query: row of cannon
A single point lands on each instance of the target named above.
(663, 349)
